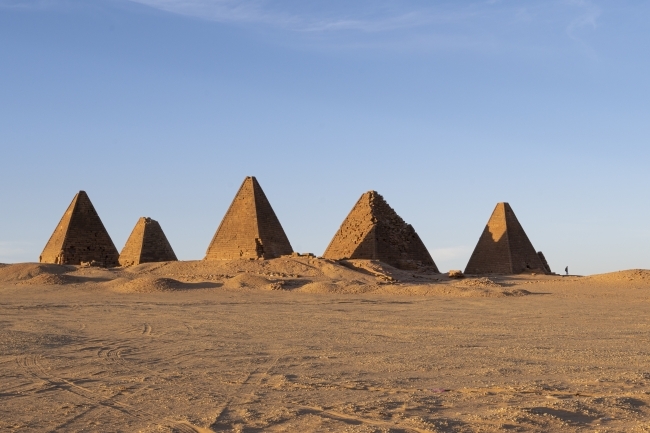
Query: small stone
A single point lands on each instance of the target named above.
(456, 274)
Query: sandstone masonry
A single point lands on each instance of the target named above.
(147, 243)
(503, 247)
(79, 237)
(373, 230)
(250, 229)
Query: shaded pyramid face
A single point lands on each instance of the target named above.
(250, 229)
(146, 244)
(504, 248)
(80, 237)
(373, 231)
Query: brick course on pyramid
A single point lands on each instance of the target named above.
(504, 248)
(250, 229)
(373, 231)
(79, 237)
(146, 244)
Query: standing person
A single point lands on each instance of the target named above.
(566, 270)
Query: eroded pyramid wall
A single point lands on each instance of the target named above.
(250, 229)
(504, 247)
(146, 244)
(374, 231)
(80, 236)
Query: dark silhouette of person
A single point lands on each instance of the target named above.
(566, 270)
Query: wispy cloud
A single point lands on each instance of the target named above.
(476, 24)
(246, 11)
(375, 17)
(587, 18)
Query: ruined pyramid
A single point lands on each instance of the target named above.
(372, 230)
(250, 229)
(147, 243)
(80, 237)
(504, 248)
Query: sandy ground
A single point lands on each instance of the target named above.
(310, 345)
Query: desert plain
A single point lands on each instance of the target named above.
(302, 344)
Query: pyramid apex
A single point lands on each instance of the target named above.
(372, 194)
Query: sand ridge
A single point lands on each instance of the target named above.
(295, 274)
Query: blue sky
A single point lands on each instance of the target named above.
(160, 108)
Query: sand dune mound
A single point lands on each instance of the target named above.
(26, 271)
(51, 280)
(479, 283)
(631, 275)
(248, 281)
(353, 287)
(154, 267)
(485, 287)
(319, 287)
(374, 268)
(154, 285)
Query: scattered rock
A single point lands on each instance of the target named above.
(456, 274)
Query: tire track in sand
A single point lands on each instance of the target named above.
(252, 382)
(31, 365)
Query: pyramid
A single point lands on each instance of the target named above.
(250, 229)
(372, 230)
(147, 243)
(80, 237)
(504, 248)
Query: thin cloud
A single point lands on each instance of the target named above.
(257, 11)
(250, 11)
(483, 25)
(587, 18)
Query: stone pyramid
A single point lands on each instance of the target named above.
(250, 229)
(504, 248)
(146, 244)
(372, 230)
(80, 237)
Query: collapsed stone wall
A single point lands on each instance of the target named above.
(80, 237)
(373, 230)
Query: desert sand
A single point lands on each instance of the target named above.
(308, 345)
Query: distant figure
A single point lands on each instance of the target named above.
(566, 270)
